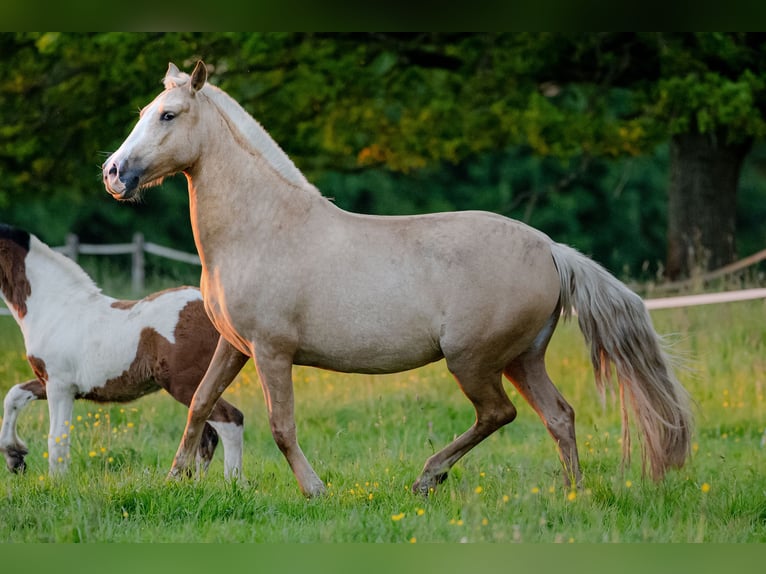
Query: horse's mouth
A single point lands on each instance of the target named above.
(121, 192)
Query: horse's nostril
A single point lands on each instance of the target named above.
(113, 169)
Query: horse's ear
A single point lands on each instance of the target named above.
(173, 71)
(198, 76)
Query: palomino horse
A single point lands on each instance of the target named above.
(289, 278)
(82, 344)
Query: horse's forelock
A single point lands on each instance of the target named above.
(175, 80)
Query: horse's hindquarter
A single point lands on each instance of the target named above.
(383, 294)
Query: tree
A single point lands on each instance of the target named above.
(712, 94)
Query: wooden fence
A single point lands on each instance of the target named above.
(73, 248)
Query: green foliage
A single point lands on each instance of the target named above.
(392, 123)
(368, 436)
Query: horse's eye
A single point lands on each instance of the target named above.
(167, 116)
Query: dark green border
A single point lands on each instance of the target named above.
(372, 559)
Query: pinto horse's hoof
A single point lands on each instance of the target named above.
(14, 460)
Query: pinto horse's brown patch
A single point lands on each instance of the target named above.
(123, 305)
(38, 366)
(13, 277)
(176, 367)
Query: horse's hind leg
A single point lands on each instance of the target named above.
(527, 373)
(228, 422)
(12, 447)
(493, 410)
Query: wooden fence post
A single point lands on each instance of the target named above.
(72, 247)
(138, 272)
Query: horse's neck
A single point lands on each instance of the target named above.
(250, 135)
(244, 184)
(57, 281)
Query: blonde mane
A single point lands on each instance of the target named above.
(250, 129)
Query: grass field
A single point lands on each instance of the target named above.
(368, 437)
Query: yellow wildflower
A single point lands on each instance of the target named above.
(397, 517)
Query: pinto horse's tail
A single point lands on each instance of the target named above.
(618, 329)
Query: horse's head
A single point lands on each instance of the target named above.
(160, 143)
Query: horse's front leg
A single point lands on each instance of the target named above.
(275, 372)
(12, 447)
(60, 406)
(226, 363)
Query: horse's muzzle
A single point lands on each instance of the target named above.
(120, 181)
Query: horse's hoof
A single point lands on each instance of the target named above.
(18, 466)
(317, 490)
(14, 460)
(177, 474)
(427, 486)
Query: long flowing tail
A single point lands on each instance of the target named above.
(618, 329)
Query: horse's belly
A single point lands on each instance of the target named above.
(373, 357)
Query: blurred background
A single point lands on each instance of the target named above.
(644, 150)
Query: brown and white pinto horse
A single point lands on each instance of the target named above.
(82, 344)
(290, 278)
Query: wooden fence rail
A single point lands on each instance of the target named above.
(73, 248)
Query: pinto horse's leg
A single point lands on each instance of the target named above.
(12, 447)
(275, 372)
(232, 435)
(527, 373)
(493, 410)
(226, 363)
(60, 407)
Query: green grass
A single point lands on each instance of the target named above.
(368, 437)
